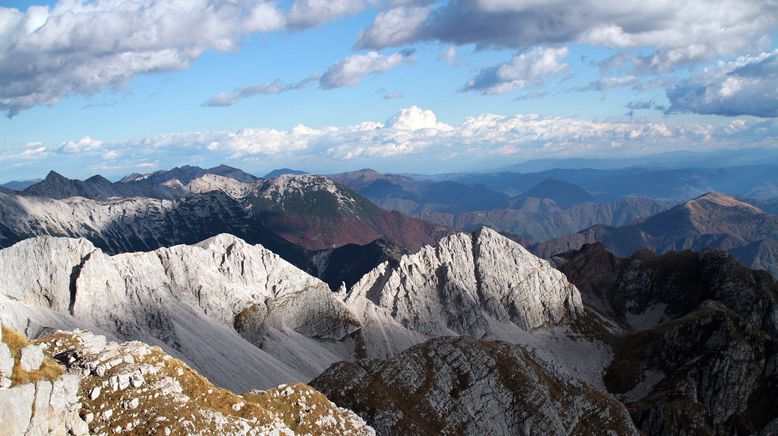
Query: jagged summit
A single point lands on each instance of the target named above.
(298, 192)
(468, 284)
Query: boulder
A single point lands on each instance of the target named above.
(32, 357)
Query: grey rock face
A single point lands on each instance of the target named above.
(31, 358)
(42, 408)
(16, 408)
(6, 361)
(464, 386)
(464, 285)
(186, 298)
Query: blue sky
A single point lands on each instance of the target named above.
(119, 86)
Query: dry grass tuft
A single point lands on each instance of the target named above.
(49, 370)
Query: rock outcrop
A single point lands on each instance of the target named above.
(459, 385)
(36, 397)
(136, 388)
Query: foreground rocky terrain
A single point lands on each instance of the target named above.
(102, 387)
(459, 385)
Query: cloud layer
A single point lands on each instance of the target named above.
(747, 85)
(80, 47)
(682, 32)
(411, 135)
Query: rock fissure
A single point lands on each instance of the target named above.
(74, 274)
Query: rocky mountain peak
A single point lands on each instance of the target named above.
(300, 192)
(53, 176)
(465, 284)
(213, 182)
(715, 199)
(281, 171)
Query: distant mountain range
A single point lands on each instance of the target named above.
(549, 209)
(674, 184)
(18, 185)
(709, 221)
(675, 159)
(293, 215)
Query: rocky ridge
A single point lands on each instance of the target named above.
(215, 305)
(138, 223)
(223, 305)
(57, 186)
(464, 284)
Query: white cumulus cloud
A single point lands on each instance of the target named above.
(679, 32)
(747, 85)
(413, 134)
(82, 47)
(351, 70)
(529, 69)
(310, 13)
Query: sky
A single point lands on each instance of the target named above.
(114, 87)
